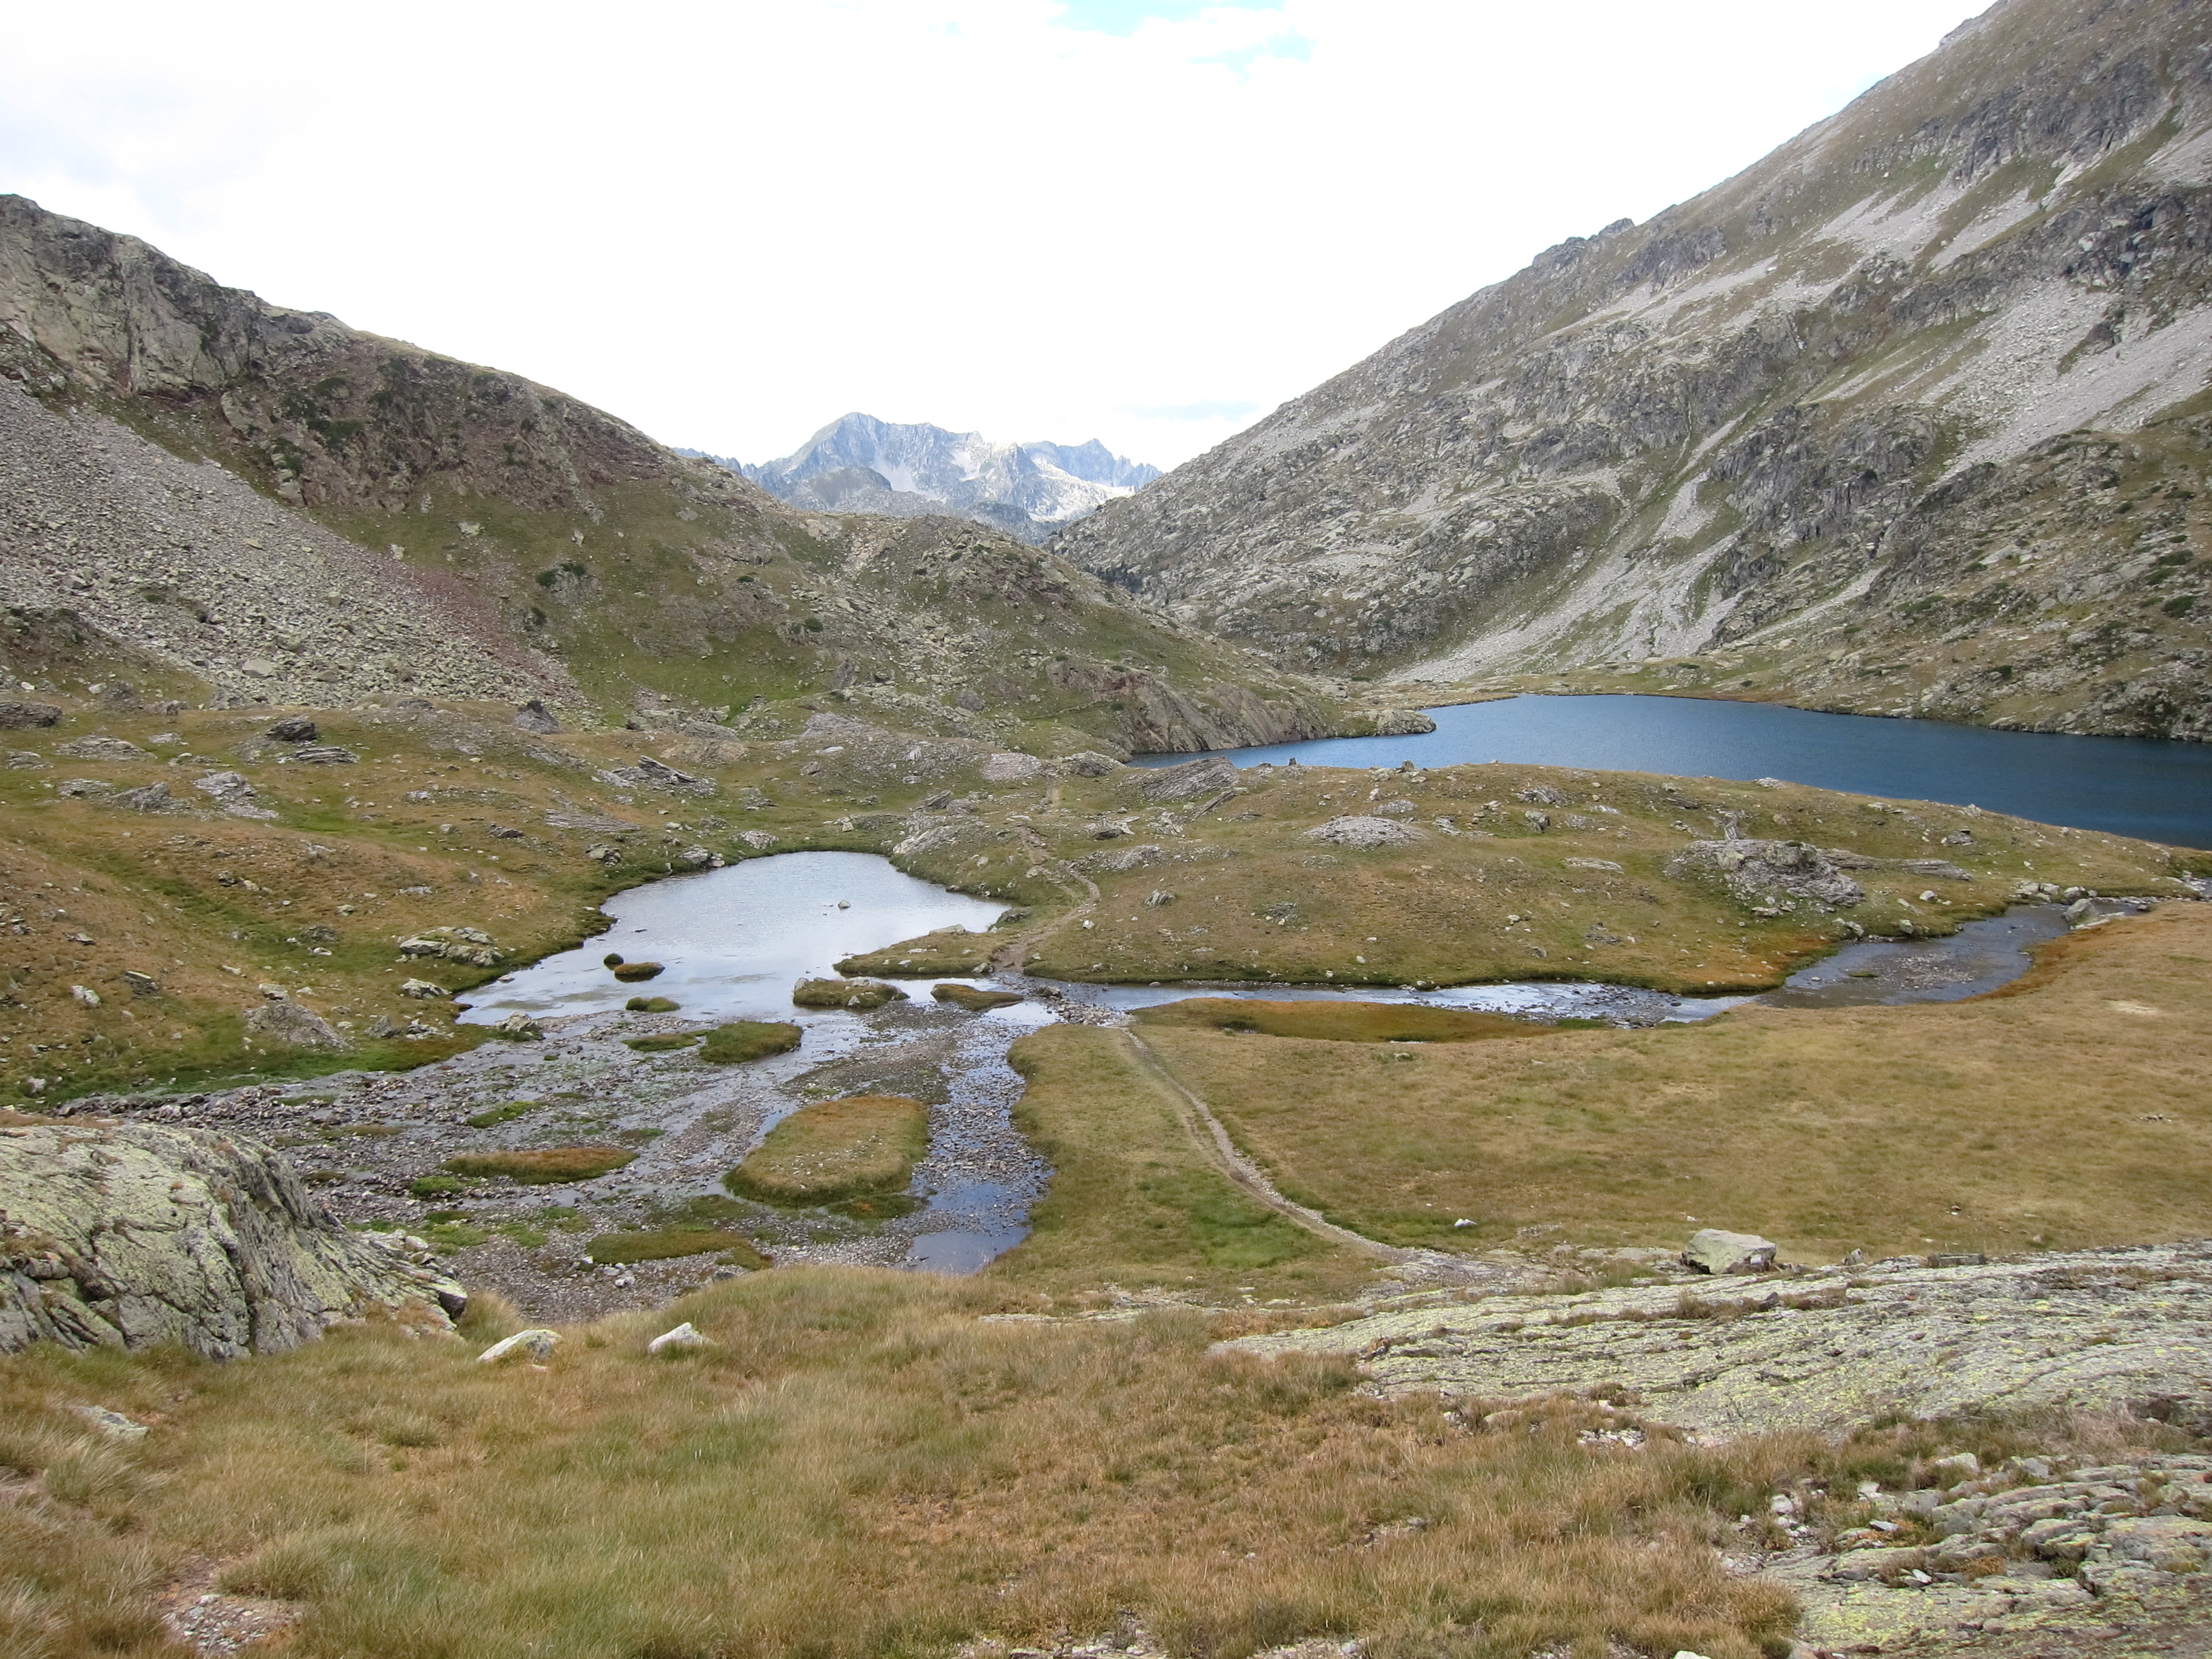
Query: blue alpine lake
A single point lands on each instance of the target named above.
(2151, 788)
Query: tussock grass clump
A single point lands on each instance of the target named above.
(1338, 1022)
(492, 1116)
(667, 1243)
(836, 1149)
(665, 1042)
(974, 999)
(652, 1005)
(844, 993)
(542, 1166)
(630, 972)
(749, 1039)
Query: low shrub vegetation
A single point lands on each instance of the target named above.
(665, 1042)
(542, 1166)
(860, 1145)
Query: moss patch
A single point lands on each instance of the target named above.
(838, 1149)
(748, 1039)
(667, 1243)
(845, 994)
(542, 1166)
(493, 1116)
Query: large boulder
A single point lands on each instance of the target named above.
(1199, 777)
(1712, 1251)
(127, 1234)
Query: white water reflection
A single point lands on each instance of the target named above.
(734, 941)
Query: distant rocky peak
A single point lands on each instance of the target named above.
(858, 463)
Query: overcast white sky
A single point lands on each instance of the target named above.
(1143, 221)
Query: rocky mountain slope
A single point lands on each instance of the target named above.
(207, 497)
(858, 463)
(1915, 410)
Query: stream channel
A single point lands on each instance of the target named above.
(733, 942)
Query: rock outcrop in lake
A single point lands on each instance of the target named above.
(129, 1235)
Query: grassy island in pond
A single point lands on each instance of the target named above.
(860, 1145)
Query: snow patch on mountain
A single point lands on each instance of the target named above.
(858, 463)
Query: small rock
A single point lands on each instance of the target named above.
(16, 716)
(294, 728)
(537, 1344)
(113, 1423)
(1712, 1251)
(534, 716)
(1009, 767)
(420, 988)
(519, 1027)
(316, 754)
(89, 998)
(147, 798)
(683, 1336)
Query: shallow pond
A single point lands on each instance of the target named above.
(2157, 790)
(735, 940)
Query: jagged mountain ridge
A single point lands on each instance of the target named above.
(858, 463)
(209, 496)
(1915, 407)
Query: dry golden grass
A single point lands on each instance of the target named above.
(860, 1145)
(542, 1166)
(1337, 1021)
(2075, 1111)
(1134, 1200)
(1587, 897)
(860, 1467)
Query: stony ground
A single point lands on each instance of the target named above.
(363, 1140)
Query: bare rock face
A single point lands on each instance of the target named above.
(1756, 871)
(1826, 1349)
(129, 1235)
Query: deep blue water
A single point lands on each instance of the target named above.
(2157, 790)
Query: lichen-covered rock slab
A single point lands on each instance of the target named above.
(129, 1235)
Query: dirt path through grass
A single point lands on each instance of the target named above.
(1203, 1127)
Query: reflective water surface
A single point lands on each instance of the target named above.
(2147, 788)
